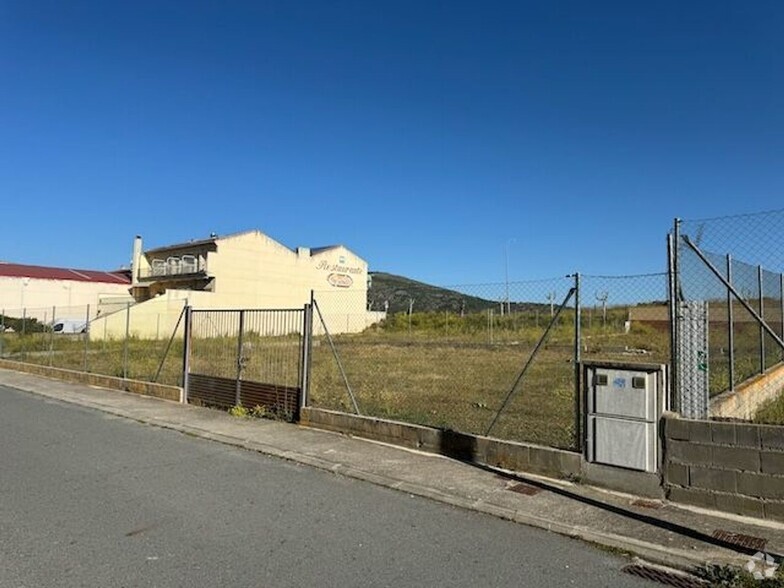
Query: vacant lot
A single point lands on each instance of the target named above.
(457, 375)
(438, 369)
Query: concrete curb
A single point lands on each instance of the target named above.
(655, 553)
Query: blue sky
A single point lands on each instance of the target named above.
(429, 137)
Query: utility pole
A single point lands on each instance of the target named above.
(551, 300)
(603, 299)
(506, 276)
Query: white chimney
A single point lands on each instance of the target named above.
(136, 260)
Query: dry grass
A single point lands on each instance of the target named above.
(460, 381)
(438, 375)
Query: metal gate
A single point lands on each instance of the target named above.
(250, 358)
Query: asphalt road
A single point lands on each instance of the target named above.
(87, 499)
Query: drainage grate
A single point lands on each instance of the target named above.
(747, 541)
(525, 489)
(647, 504)
(664, 577)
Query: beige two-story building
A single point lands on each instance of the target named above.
(247, 270)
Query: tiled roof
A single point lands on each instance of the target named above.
(16, 270)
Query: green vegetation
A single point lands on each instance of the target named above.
(239, 412)
(772, 412)
(106, 357)
(398, 291)
(20, 325)
(717, 576)
(452, 371)
(441, 368)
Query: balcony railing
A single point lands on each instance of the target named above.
(186, 265)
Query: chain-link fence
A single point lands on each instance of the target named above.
(625, 318)
(83, 339)
(494, 359)
(728, 297)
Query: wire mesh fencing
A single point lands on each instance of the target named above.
(729, 302)
(120, 343)
(449, 359)
(625, 318)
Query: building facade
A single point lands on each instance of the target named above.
(46, 293)
(241, 271)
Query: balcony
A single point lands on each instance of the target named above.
(186, 266)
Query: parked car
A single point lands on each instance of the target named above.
(69, 326)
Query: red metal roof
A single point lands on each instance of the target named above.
(16, 270)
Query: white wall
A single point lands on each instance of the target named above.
(38, 296)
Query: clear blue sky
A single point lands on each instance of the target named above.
(423, 135)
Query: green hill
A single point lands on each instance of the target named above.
(398, 291)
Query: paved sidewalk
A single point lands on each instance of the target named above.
(661, 533)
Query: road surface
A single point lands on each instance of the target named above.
(88, 499)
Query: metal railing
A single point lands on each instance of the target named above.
(174, 266)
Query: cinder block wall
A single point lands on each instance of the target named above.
(732, 467)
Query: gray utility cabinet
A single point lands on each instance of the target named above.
(624, 402)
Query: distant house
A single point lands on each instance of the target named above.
(38, 291)
(242, 270)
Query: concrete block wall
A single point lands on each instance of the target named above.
(471, 448)
(135, 386)
(509, 455)
(728, 466)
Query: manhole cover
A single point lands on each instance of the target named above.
(664, 577)
(747, 541)
(525, 489)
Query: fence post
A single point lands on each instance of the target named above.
(51, 336)
(125, 343)
(2, 333)
(86, 336)
(24, 332)
(761, 306)
(730, 326)
(304, 381)
(186, 352)
(675, 299)
(43, 333)
(578, 420)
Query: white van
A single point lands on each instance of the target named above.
(68, 326)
